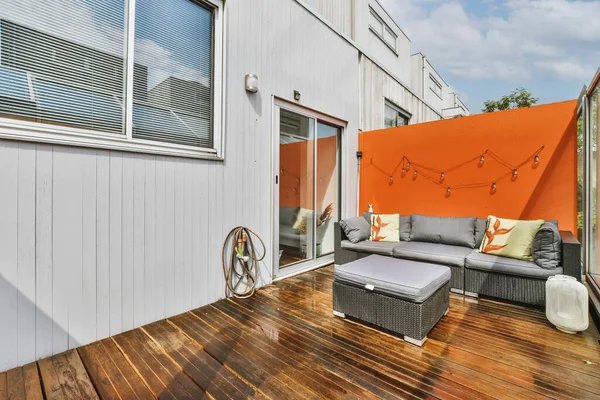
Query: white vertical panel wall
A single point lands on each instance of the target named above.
(376, 86)
(95, 242)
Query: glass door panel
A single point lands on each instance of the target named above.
(594, 218)
(296, 188)
(327, 186)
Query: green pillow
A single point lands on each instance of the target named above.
(510, 238)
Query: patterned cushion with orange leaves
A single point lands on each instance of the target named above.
(510, 238)
(385, 228)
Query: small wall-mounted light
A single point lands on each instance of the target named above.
(251, 83)
(297, 95)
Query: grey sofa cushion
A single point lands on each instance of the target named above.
(367, 246)
(408, 280)
(546, 246)
(287, 215)
(405, 228)
(480, 227)
(444, 230)
(508, 266)
(356, 229)
(452, 256)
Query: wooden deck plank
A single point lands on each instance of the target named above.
(285, 343)
(14, 384)
(256, 344)
(162, 375)
(534, 379)
(52, 387)
(209, 374)
(31, 380)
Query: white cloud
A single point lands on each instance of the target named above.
(513, 41)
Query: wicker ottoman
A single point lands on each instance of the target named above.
(402, 296)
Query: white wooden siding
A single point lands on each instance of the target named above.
(96, 242)
(376, 86)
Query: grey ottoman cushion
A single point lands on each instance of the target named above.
(444, 230)
(356, 229)
(452, 256)
(546, 246)
(367, 246)
(408, 280)
(508, 266)
(480, 227)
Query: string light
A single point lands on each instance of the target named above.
(515, 173)
(481, 159)
(408, 166)
(536, 159)
(448, 191)
(415, 174)
(442, 177)
(403, 171)
(391, 179)
(493, 186)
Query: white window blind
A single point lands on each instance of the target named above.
(172, 82)
(65, 63)
(61, 62)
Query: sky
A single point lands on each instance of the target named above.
(484, 49)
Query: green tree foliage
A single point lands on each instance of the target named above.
(518, 98)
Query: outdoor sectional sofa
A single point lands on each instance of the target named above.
(472, 273)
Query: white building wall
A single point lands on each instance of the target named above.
(377, 86)
(97, 242)
(398, 61)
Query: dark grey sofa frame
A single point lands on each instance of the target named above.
(475, 282)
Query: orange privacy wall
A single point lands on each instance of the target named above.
(547, 191)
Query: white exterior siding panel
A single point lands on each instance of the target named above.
(94, 242)
(376, 86)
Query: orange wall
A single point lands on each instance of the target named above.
(547, 192)
(296, 159)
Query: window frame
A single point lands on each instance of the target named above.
(39, 132)
(385, 27)
(399, 112)
(437, 84)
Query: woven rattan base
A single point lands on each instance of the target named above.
(412, 320)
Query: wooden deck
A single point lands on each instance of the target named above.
(285, 344)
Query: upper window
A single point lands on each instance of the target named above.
(381, 29)
(435, 86)
(83, 66)
(395, 116)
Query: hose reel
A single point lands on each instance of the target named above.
(240, 262)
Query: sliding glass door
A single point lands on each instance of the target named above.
(307, 188)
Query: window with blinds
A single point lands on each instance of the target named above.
(66, 63)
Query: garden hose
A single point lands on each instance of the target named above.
(241, 268)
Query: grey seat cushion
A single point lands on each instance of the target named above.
(404, 225)
(356, 229)
(367, 246)
(456, 231)
(480, 227)
(508, 266)
(546, 248)
(452, 256)
(408, 280)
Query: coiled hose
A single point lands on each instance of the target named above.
(242, 266)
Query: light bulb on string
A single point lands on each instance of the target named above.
(481, 159)
(448, 191)
(536, 159)
(442, 177)
(415, 174)
(493, 187)
(408, 166)
(391, 179)
(515, 173)
(403, 171)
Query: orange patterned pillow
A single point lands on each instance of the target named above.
(510, 238)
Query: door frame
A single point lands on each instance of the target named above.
(303, 266)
